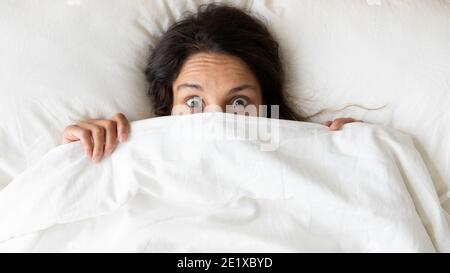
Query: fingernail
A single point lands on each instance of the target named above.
(96, 159)
(122, 138)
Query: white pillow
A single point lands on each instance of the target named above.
(62, 62)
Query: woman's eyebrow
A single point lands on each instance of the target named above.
(190, 85)
(241, 88)
(232, 91)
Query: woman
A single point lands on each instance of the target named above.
(220, 58)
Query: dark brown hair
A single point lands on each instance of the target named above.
(223, 29)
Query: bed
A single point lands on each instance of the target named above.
(64, 61)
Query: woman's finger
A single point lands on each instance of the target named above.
(98, 136)
(328, 123)
(110, 127)
(76, 133)
(123, 127)
(338, 123)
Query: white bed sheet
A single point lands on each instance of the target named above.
(182, 184)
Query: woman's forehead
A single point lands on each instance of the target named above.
(206, 64)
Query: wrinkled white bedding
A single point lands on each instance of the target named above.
(182, 184)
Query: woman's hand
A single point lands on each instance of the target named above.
(337, 124)
(99, 137)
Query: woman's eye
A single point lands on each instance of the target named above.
(239, 102)
(194, 102)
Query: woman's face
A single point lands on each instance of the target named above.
(216, 82)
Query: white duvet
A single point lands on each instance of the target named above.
(191, 184)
